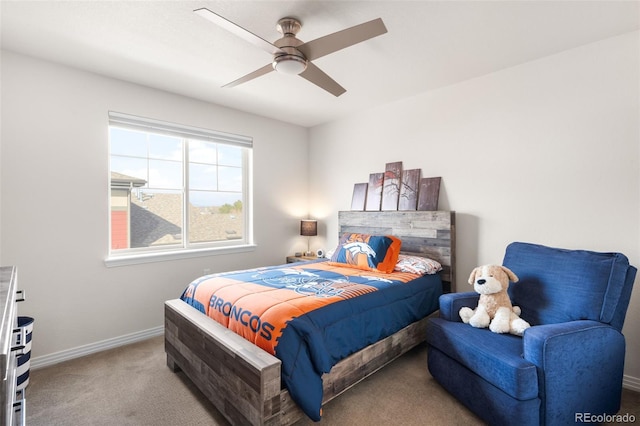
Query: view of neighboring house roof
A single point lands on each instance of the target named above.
(156, 219)
(119, 180)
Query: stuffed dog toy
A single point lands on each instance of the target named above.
(494, 306)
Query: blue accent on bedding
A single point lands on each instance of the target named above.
(332, 313)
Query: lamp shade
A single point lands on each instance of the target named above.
(309, 228)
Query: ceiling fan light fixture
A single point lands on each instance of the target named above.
(291, 55)
(289, 64)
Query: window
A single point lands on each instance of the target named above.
(176, 188)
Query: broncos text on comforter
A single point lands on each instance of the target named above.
(312, 315)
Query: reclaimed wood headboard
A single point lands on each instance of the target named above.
(423, 233)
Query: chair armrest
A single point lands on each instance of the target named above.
(579, 363)
(546, 344)
(450, 304)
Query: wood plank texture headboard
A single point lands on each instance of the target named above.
(423, 233)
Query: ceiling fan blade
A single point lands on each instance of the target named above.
(238, 30)
(339, 40)
(257, 73)
(318, 77)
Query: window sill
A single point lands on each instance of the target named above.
(136, 259)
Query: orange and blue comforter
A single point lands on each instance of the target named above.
(312, 315)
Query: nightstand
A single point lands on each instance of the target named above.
(294, 259)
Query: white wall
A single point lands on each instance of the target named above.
(545, 152)
(54, 190)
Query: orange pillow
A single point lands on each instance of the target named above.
(391, 258)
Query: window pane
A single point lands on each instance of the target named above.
(203, 177)
(230, 155)
(230, 178)
(128, 142)
(165, 147)
(202, 152)
(128, 166)
(165, 174)
(152, 173)
(216, 199)
(215, 216)
(156, 218)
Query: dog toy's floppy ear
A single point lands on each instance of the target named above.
(472, 277)
(512, 277)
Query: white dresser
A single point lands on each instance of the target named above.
(12, 408)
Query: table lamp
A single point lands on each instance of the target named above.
(308, 228)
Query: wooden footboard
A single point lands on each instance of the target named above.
(243, 381)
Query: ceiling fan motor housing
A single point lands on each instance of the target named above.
(292, 61)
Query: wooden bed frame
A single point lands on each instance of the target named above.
(243, 381)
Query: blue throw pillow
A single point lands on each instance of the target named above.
(367, 252)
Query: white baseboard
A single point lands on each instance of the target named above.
(631, 383)
(57, 357)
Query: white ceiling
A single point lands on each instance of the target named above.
(429, 44)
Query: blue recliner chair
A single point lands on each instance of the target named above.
(567, 366)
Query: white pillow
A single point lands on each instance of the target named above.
(417, 265)
(329, 253)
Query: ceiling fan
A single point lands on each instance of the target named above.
(292, 56)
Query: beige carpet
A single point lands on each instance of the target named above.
(132, 386)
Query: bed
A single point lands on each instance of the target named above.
(245, 382)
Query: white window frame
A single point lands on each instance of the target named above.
(186, 249)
